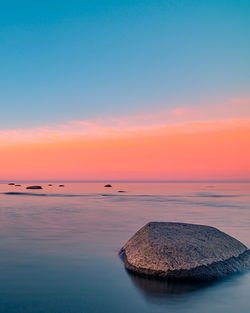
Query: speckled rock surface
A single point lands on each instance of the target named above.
(184, 251)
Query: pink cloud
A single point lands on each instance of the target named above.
(233, 113)
(180, 111)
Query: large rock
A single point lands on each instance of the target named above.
(184, 251)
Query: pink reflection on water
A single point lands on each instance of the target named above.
(88, 214)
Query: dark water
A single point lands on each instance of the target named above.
(58, 247)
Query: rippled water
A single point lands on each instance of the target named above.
(59, 246)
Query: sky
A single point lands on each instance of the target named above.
(125, 90)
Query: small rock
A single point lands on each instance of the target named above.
(18, 185)
(34, 187)
(107, 185)
(121, 191)
(11, 184)
(50, 185)
(61, 185)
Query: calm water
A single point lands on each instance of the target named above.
(59, 247)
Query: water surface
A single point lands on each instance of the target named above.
(59, 246)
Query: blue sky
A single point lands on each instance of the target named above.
(74, 60)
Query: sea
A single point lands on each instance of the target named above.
(59, 246)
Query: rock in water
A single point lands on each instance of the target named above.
(107, 185)
(34, 187)
(61, 185)
(184, 251)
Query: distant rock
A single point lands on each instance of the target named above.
(121, 191)
(107, 185)
(18, 185)
(50, 185)
(34, 187)
(184, 251)
(61, 185)
(11, 184)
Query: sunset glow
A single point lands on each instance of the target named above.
(131, 148)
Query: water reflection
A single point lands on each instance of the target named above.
(157, 288)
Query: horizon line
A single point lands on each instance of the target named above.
(124, 181)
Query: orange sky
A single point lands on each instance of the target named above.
(203, 150)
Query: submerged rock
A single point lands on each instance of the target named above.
(107, 185)
(11, 184)
(155, 288)
(184, 251)
(34, 187)
(50, 185)
(18, 185)
(61, 185)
